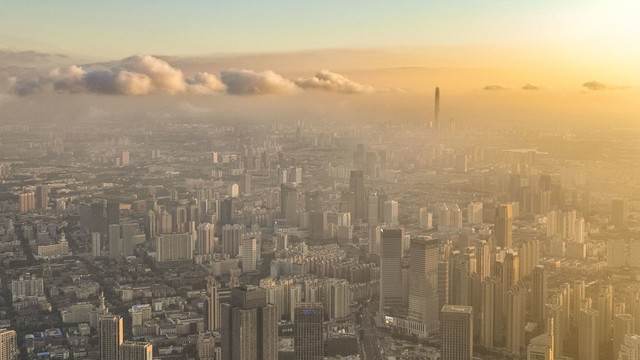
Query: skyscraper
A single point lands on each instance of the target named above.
(42, 197)
(8, 344)
(289, 204)
(308, 330)
(589, 335)
(539, 294)
(206, 239)
(391, 267)
(436, 111)
(249, 254)
(110, 331)
(136, 350)
(212, 305)
(391, 212)
(423, 283)
(619, 213)
(457, 332)
(356, 186)
(623, 324)
(630, 348)
(504, 219)
(249, 326)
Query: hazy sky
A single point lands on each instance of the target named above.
(119, 28)
(515, 59)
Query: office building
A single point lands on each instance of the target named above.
(391, 293)
(228, 211)
(309, 332)
(212, 304)
(372, 210)
(249, 326)
(115, 241)
(289, 204)
(423, 284)
(136, 350)
(620, 213)
(503, 229)
(356, 187)
(95, 244)
(42, 197)
(457, 332)
(8, 344)
(110, 332)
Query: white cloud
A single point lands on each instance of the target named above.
(330, 81)
(248, 82)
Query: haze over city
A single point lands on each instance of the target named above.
(355, 180)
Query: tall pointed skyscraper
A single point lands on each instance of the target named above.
(436, 112)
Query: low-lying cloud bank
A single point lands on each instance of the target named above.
(144, 74)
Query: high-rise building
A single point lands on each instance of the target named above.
(113, 212)
(115, 241)
(516, 302)
(249, 326)
(604, 305)
(308, 332)
(619, 213)
(539, 294)
(8, 345)
(425, 218)
(249, 254)
(95, 244)
(128, 230)
(136, 350)
(423, 284)
(372, 207)
(231, 238)
(457, 332)
(180, 219)
(205, 243)
(474, 213)
(150, 225)
(174, 247)
(391, 213)
(541, 347)
(110, 332)
(436, 112)
(212, 305)
(623, 325)
(289, 204)
(42, 197)
(227, 211)
(504, 219)
(589, 335)
(356, 186)
(630, 348)
(391, 267)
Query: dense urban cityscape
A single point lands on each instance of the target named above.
(308, 240)
(300, 180)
